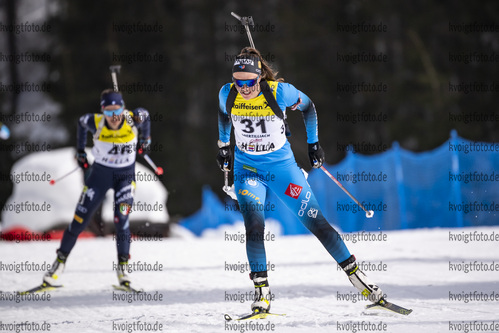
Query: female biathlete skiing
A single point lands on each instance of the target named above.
(116, 141)
(263, 161)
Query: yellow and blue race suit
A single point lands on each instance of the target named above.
(113, 168)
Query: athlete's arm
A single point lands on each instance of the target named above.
(85, 123)
(142, 122)
(224, 122)
(288, 96)
(295, 99)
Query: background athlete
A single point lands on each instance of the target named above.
(116, 139)
(263, 153)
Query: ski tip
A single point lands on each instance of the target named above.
(127, 289)
(39, 289)
(385, 305)
(405, 312)
(253, 315)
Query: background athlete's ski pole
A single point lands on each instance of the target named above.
(157, 170)
(369, 213)
(53, 181)
(115, 69)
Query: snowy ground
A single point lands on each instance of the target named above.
(195, 285)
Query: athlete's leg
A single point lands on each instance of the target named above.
(251, 194)
(292, 188)
(96, 186)
(124, 190)
(91, 197)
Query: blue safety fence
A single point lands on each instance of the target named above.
(454, 185)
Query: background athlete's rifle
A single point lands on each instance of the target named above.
(115, 69)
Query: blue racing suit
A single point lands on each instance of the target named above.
(263, 161)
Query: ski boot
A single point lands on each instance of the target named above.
(361, 282)
(121, 269)
(262, 297)
(55, 271)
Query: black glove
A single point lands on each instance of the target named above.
(315, 154)
(224, 158)
(81, 158)
(144, 146)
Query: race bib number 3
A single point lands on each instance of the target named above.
(260, 134)
(257, 129)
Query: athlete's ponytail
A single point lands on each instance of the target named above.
(267, 72)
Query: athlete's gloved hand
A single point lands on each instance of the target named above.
(315, 154)
(144, 146)
(81, 158)
(224, 156)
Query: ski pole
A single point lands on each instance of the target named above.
(229, 190)
(157, 170)
(226, 179)
(369, 213)
(53, 181)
